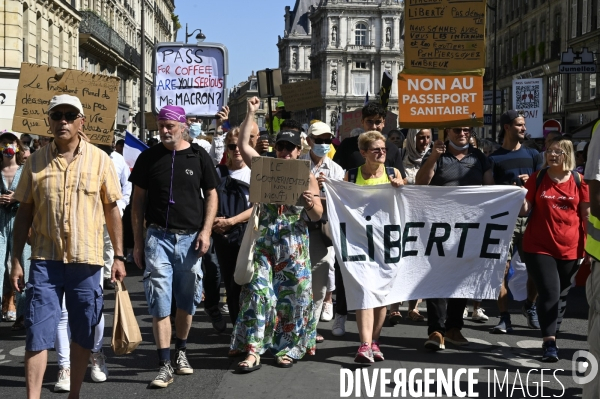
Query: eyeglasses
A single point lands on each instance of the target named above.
(68, 116)
(555, 152)
(376, 122)
(322, 141)
(285, 145)
(378, 150)
(232, 147)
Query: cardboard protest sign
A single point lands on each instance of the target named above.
(444, 37)
(302, 95)
(527, 96)
(38, 83)
(279, 181)
(440, 101)
(190, 76)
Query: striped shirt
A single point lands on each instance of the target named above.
(68, 215)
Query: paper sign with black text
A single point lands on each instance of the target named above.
(302, 95)
(279, 181)
(396, 244)
(528, 97)
(190, 76)
(98, 94)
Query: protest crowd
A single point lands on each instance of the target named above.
(74, 215)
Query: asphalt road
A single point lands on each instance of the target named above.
(490, 359)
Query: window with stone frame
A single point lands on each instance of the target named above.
(360, 34)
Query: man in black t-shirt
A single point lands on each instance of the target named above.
(175, 190)
(453, 163)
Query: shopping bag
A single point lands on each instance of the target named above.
(244, 267)
(126, 335)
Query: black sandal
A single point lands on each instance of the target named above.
(244, 366)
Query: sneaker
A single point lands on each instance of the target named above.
(454, 336)
(466, 313)
(550, 354)
(182, 366)
(64, 380)
(224, 309)
(327, 312)
(435, 342)
(377, 354)
(479, 315)
(364, 354)
(339, 325)
(11, 315)
(505, 326)
(164, 377)
(99, 369)
(217, 320)
(530, 314)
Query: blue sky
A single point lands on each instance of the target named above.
(247, 28)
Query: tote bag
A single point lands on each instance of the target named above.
(244, 267)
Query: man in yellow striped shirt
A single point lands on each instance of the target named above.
(67, 190)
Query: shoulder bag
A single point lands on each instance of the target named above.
(244, 267)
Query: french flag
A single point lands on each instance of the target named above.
(132, 149)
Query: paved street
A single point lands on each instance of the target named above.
(319, 376)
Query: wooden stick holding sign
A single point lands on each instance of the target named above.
(279, 181)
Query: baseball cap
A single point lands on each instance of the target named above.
(280, 104)
(509, 116)
(66, 99)
(319, 128)
(290, 136)
(580, 146)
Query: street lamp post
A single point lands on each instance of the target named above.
(199, 37)
(495, 67)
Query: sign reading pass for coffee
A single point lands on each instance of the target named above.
(443, 36)
(38, 83)
(278, 181)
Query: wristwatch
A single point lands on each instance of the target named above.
(119, 257)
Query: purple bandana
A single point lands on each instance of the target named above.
(172, 113)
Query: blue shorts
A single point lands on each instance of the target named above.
(172, 268)
(48, 281)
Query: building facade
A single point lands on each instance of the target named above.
(98, 36)
(352, 43)
(530, 37)
(238, 102)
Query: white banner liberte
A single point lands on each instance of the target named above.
(418, 242)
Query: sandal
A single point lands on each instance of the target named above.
(246, 367)
(285, 362)
(319, 339)
(18, 325)
(414, 315)
(395, 318)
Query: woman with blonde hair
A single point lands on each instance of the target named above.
(373, 172)
(558, 201)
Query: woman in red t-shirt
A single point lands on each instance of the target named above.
(555, 235)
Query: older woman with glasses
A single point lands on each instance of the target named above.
(373, 172)
(559, 204)
(276, 306)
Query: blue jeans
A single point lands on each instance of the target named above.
(172, 269)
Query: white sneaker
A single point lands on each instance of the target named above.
(479, 315)
(224, 308)
(327, 312)
(339, 325)
(99, 369)
(466, 313)
(64, 380)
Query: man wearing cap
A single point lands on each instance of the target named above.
(67, 191)
(512, 164)
(321, 252)
(278, 117)
(175, 191)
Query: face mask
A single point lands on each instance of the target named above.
(195, 130)
(457, 147)
(10, 150)
(321, 150)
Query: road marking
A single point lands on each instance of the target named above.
(19, 351)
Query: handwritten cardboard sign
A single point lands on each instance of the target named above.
(190, 76)
(440, 101)
(98, 94)
(279, 181)
(444, 36)
(303, 95)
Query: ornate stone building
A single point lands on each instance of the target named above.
(352, 42)
(99, 36)
(238, 98)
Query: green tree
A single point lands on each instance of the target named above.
(176, 25)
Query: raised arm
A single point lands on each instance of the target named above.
(246, 149)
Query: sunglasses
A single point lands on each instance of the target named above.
(378, 150)
(285, 145)
(459, 130)
(232, 147)
(322, 141)
(68, 116)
